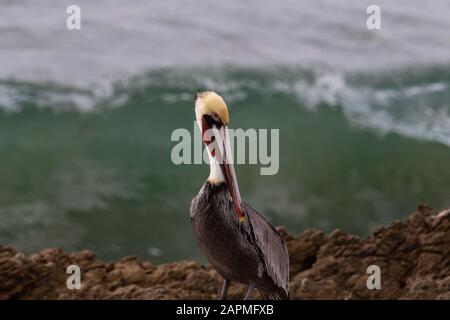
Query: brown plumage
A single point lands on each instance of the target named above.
(251, 252)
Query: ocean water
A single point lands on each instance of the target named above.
(86, 116)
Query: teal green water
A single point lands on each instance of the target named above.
(355, 152)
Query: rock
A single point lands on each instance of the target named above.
(133, 273)
(303, 250)
(413, 256)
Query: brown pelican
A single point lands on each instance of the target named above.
(233, 236)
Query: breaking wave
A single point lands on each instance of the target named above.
(414, 102)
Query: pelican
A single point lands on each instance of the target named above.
(237, 241)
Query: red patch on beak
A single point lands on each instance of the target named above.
(204, 139)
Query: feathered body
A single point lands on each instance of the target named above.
(235, 239)
(251, 252)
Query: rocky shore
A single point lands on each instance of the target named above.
(413, 256)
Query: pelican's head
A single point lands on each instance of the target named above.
(210, 104)
(212, 117)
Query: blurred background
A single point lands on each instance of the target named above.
(86, 116)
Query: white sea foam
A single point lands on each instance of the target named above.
(418, 110)
(400, 110)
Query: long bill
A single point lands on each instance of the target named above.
(225, 158)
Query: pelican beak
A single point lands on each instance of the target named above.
(218, 143)
(230, 177)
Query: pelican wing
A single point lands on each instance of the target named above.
(272, 247)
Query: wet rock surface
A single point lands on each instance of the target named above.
(413, 256)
